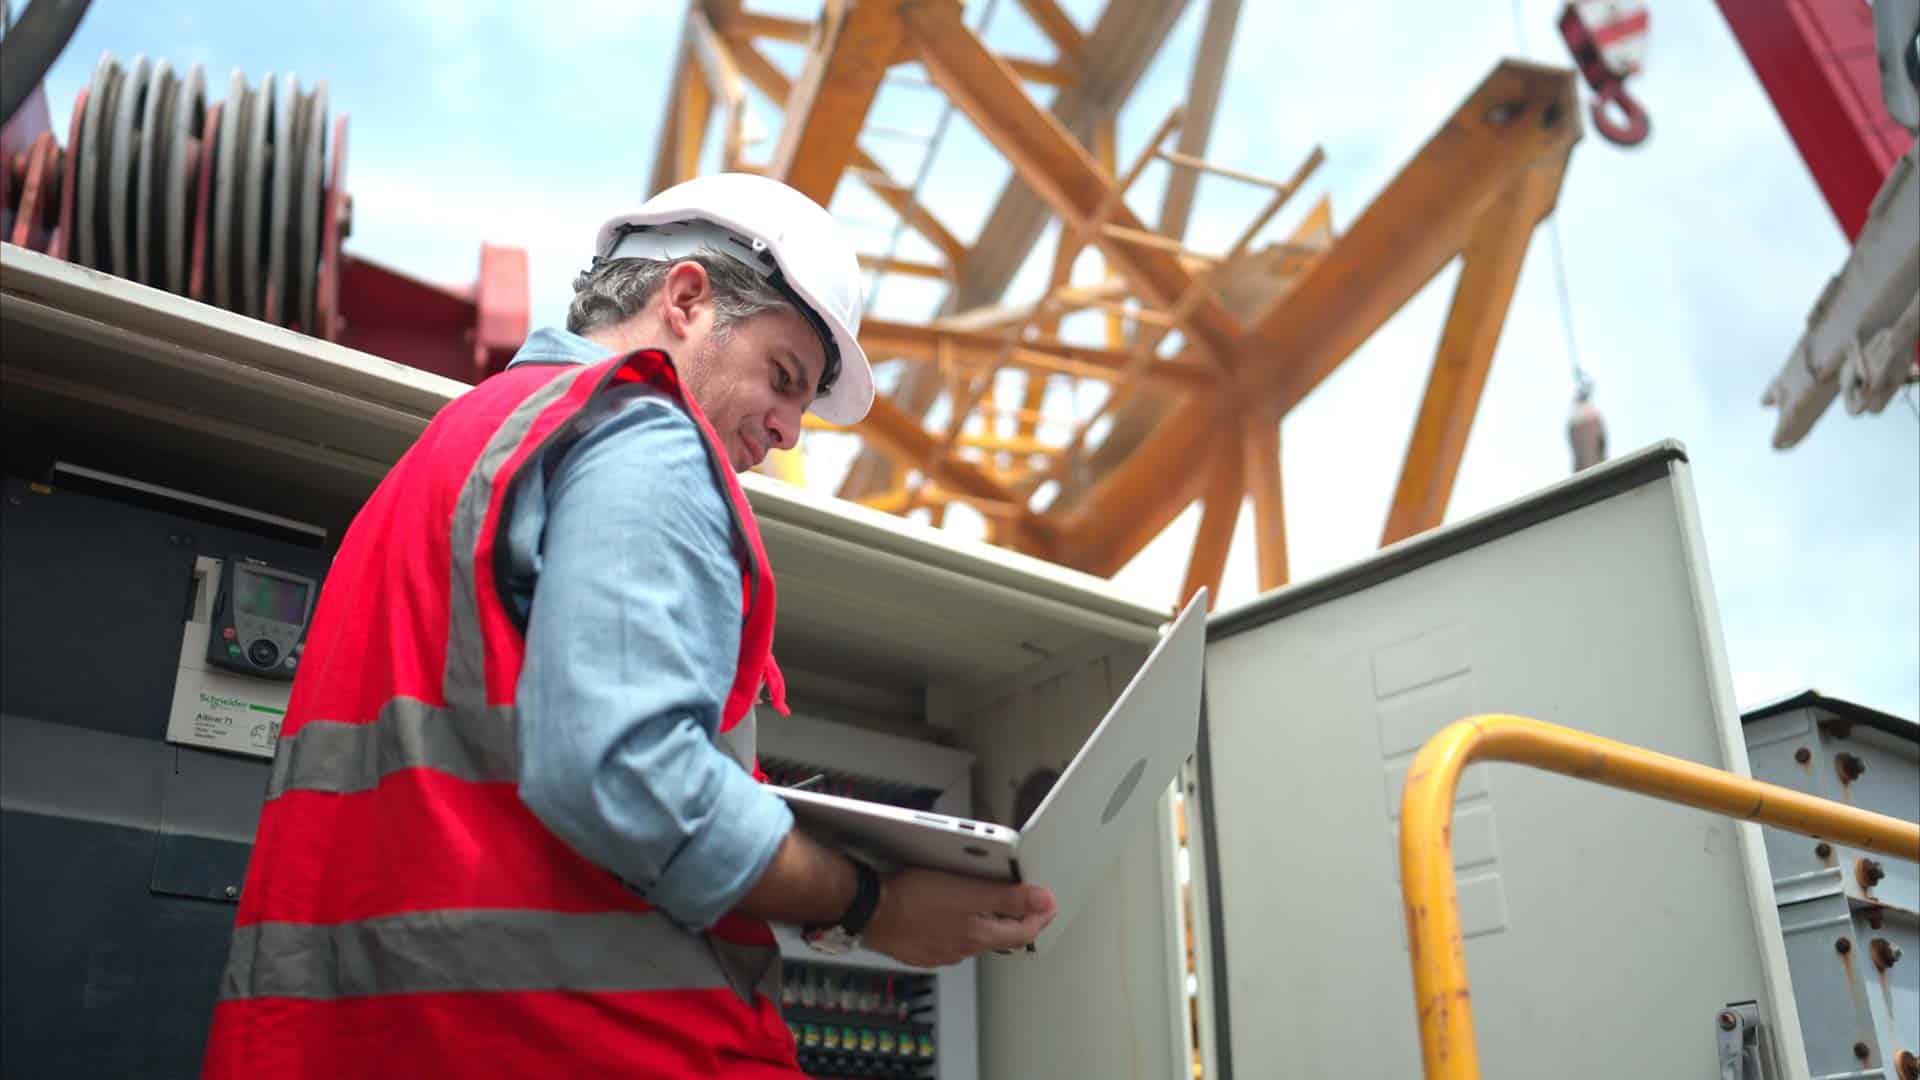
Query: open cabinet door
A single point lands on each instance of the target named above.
(1605, 931)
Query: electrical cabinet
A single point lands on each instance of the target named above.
(919, 668)
(959, 676)
(865, 1014)
(1605, 932)
(123, 848)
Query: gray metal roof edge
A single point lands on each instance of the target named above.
(1582, 489)
(1840, 707)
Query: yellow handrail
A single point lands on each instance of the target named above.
(1432, 903)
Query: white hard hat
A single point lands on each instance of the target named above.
(779, 232)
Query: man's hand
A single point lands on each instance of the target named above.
(927, 918)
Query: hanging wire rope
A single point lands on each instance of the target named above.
(1582, 382)
(1586, 428)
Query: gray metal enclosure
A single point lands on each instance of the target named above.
(1851, 919)
(122, 854)
(1605, 931)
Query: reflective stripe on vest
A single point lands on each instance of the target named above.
(466, 680)
(395, 861)
(440, 951)
(474, 744)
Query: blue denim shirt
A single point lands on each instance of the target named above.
(621, 556)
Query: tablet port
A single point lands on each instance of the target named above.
(967, 825)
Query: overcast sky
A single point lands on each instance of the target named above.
(1692, 260)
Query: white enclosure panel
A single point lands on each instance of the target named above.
(1102, 1002)
(1605, 931)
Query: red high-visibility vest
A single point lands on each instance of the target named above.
(404, 913)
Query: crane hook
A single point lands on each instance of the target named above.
(1608, 39)
(1628, 131)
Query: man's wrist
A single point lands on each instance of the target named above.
(844, 933)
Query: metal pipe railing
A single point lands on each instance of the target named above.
(1441, 1001)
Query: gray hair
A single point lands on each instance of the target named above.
(616, 289)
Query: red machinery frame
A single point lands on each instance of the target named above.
(1817, 62)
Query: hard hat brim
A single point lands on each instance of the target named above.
(852, 395)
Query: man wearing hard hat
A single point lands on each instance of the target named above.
(514, 827)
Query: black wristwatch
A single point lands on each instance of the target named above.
(840, 938)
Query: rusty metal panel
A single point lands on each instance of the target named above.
(1821, 747)
(1856, 981)
(1605, 932)
(1851, 920)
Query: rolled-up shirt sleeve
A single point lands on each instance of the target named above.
(632, 641)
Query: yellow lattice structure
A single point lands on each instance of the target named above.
(1257, 326)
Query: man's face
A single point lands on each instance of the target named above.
(755, 380)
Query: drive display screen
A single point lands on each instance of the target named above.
(273, 598)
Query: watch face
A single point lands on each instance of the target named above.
(831, 940)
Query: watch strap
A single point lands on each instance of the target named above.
(866, 897)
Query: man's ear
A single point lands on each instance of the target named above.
(687, 297)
